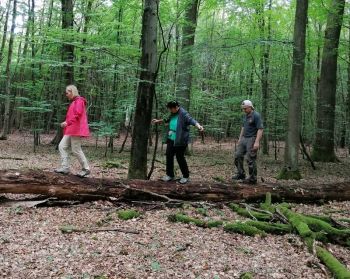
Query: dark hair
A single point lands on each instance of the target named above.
(172, 104)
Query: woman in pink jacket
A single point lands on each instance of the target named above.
(74, 128)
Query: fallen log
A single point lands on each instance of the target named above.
(71, 187)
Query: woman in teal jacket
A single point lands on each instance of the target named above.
(178, 136)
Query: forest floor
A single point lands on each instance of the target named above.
(33, 246)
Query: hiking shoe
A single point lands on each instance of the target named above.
(84, 173)
(250, 181)
(184, 180)
(62, 170)
(167, 178)
(238, 177)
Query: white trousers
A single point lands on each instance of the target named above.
(75, 144)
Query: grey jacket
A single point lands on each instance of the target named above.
(183, 129)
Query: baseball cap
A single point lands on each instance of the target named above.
(247, 103)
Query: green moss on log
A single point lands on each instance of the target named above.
(270, 227)
(214, 223)
(246, 275)
(267, 204)
(243, 228)
(182, 218)
(338, 270)
(249, 214)
(128, 214)
(297, 222)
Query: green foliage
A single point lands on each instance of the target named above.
(128, 214)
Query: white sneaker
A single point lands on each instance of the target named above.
(84, 173)
(184, 180)
(62, 170)
(167, 178)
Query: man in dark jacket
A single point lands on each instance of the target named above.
(178, 136)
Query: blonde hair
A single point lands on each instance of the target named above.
(73, 89)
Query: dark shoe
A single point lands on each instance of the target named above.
(238, 177)
(249, 181)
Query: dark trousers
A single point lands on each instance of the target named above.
(245, 148)
(179, 152)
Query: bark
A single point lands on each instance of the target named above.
(67, 52)
(347, 109)
(264, 67)
(4, 34)
(6, 122)
(291, 156)
(74, 188)
(67, 47)
(323, 149)
(184, 72)
(145, 92)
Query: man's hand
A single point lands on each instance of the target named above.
(64, 124)
(256, 146)
(199, 127)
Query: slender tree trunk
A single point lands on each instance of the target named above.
(145, 92)
(67, 52)
(67, 48)
(87, 18)
(264, 68)
(323, 149)
(348, 98)
(4, 34)
(5, 127)
(291, 155)
(184, 73)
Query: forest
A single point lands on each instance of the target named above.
(131, 76)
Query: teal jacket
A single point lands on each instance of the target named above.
(183, 128)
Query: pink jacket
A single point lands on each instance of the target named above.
(76, 118)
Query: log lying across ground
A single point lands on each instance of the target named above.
(74, 188)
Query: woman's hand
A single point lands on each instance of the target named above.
(64, 124)
(199, 127)
(156, 121)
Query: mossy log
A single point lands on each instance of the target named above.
(183, 218)
(338, 270)
(74, 188)
(243, 228)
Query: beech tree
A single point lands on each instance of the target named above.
(291, 154)
(145, 91)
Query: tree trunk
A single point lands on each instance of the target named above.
(67, 47)
(347, 108)
(264, 68)
(4, 34)
(184, 72)
(6, 126)
(74, 188)
(67, 58)
(145, 92)
(323, 149)
(291, 155)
